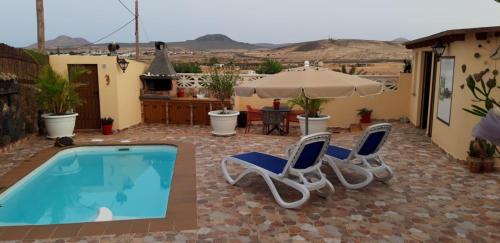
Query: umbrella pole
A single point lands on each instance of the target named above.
(307, 117)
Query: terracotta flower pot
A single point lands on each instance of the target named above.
(475, 164)
(180, 93)
(276, 105)
(488, 165)
(107, 129)
(366, 118)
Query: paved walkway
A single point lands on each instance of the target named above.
(431, 198)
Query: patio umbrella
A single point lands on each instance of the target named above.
(314, 83)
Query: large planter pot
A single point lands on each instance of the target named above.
(489, 165)
(316, 124)
(60, 125)
(223, 124)
(475, 164)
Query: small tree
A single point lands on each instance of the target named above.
(269, 66)
(212, 61)
(221, 83)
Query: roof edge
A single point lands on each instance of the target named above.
(449, 36)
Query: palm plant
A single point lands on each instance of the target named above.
(57, 95)
(313, 106)
(221, 84)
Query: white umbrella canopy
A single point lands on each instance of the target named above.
(314, 83)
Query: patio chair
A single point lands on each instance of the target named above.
(364, 158)
(292, 117)
(253, 115)
(300, 172)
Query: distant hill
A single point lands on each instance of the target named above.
(213, 42)
(62, 41)
(270, 45)
(400, 40)
(341, 50)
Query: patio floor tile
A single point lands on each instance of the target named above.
(431, 197)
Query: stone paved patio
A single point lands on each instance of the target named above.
(431, 198)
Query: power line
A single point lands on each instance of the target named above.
(125, 6)
(110, 34)
(141, 22)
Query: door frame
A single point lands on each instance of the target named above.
(69, 65)
(427, 91)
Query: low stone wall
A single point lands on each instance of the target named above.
(18, 115)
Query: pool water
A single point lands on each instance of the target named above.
(133, 182)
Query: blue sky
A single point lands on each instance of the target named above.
(276, 21)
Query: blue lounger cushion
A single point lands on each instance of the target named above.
(338, 152)
(372, 143)
(271, 163)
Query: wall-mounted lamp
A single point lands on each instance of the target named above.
(438, 49)
(122, 62)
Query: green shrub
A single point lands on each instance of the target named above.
(187, 68)
(269, 66)
(212, 61)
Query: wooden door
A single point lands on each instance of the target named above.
(89, 113)
(154, 112)
(179, 113)
(200, 114)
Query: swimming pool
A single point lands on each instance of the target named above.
(132, 182)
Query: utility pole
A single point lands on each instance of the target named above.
(137, 30)
(40, 26)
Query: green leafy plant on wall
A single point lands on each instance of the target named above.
(482, 92)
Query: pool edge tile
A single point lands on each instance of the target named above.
(14, 233)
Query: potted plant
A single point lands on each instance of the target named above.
(107, 125)
(481, 156)
(317, 122)
(221, 84)
(366, 115)
(57, 98)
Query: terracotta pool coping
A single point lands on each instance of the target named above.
(181, 213)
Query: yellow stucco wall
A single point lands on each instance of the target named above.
(120, 98)
(388, 105)
(453, 138)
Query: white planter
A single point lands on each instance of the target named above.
(223, 124)
(60, 125)
(316, 124)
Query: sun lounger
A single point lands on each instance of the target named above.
(301, 171)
